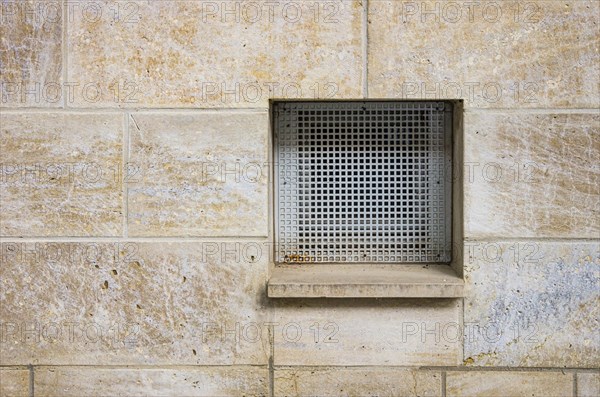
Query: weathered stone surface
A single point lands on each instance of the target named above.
(133, 303)
(61, 174)
(509, 384)
(367, 332)
(14, 382)
(211, 57)
(31, 53)
(531, 175)
(369, 281)
(199, 381)
(357, 382)
(588, 385)
(532, 304)
(201, 174)
(492, 54)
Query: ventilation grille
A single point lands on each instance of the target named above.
(362, 182)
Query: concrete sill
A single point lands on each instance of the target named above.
(364, 281)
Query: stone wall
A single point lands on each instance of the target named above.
(135, 198)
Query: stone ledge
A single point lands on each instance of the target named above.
(364, 281)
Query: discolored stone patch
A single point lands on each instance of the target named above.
(532, 304)
(61, 174)
(509, 54)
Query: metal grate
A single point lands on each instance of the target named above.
(362, 181)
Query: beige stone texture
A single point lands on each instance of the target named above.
(14, 382)
(31, 54)
(368, 281)
(509, 54)
(532, 304)
(367, 332)
(77, 303)
(531, 175)
(588, 385)
(509, 384)
(349, 382)
(61, 174)
(131, 382)
(201, 174)
(136, 200)
(218, 54)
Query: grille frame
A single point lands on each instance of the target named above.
(443, 112)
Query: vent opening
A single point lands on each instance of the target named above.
(360, 182)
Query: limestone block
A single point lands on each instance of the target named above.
(509, 54)
(61, 174)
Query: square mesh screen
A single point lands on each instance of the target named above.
(362, 182)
